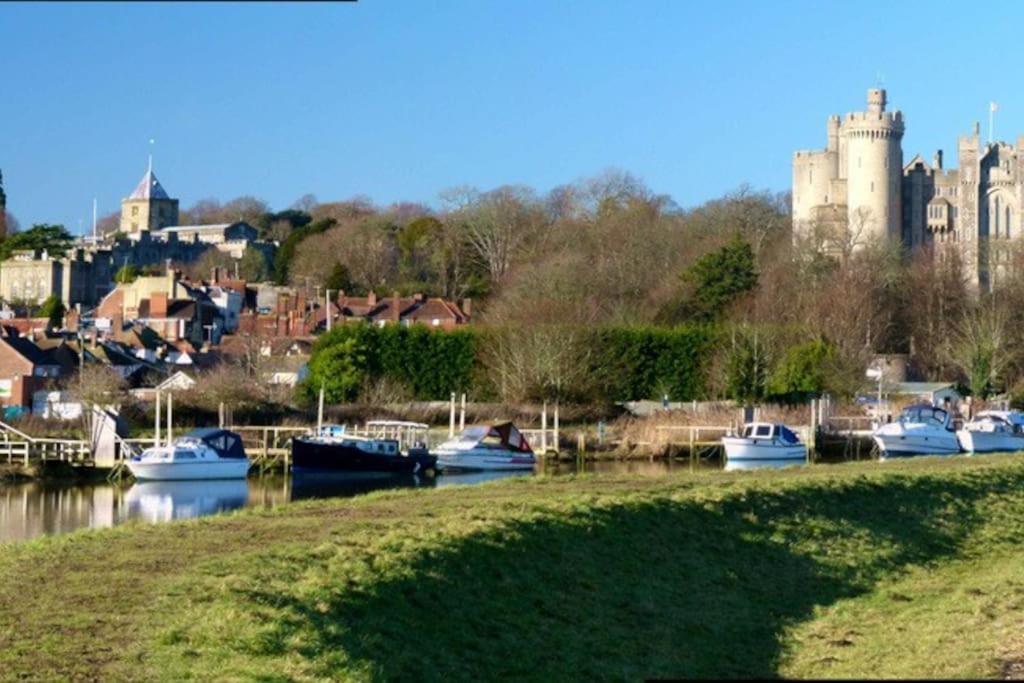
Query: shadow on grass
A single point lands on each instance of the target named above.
(653, 589)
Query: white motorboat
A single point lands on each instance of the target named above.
(201, 454)
(993, 431)
(920, 430)
(495, 446)
(763, 443)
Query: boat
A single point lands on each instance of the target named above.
(331, 449)
(993, 431)
(763, 443)
(489, 446)
(921, 429)
(208, 453)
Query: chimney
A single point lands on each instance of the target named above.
(158, 305)
(371, 299)
(396, 307)
(467, 307)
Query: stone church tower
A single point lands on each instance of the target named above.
(149, 207)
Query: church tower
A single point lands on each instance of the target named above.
(149, 207)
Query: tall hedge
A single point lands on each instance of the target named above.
(647, 362)
(431, 363)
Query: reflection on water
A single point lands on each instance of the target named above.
(162, 501)
(36, 508)
(735, 465)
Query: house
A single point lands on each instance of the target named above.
(25, 368)
(165, 303)
(933, 393)
(33, 276)
(415, 310)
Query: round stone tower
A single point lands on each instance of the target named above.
(874, 169)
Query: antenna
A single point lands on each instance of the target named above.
(151, 143)
(879, 79)
(992, 109)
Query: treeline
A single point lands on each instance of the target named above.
(358, 362)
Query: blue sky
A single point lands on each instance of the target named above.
(400, 100)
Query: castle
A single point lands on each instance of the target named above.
(860, 184)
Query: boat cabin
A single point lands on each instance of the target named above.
(769, 431)
(502, 435)
(925, 414)
(226, 444)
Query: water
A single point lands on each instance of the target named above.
(38, 508)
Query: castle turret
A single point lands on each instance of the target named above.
(874, 165)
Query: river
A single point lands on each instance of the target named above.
(37, 508)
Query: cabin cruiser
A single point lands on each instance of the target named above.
(920, 430)
(993, 431)
(763, 443)
(201, 454)
(493, 446)
(332, 449)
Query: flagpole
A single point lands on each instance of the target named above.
(992, 106)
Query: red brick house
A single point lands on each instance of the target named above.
(414, 310)
(25, 368)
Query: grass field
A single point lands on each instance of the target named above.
(877, 570)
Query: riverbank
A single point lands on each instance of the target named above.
(866, 569)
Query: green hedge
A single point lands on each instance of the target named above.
(647, 362)
(626, 363)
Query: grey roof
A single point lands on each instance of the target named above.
(149, 188)
(198, 228)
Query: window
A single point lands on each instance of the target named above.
(1009, 219)
(872, 186)
(763, 430)
(135, 211)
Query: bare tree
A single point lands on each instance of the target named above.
(981, 347)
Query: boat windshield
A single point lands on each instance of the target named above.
(924, 415)
(473, 434)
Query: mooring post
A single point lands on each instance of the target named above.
(544, 428)
(220, 414)
(170, 418)
(556, 427)
(451, 417)
(156, 437)
(462, 414)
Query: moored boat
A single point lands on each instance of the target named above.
(993, 431)
(920, 430)
(765, 444)
(209, 453)
(491, 446)
(331, 449)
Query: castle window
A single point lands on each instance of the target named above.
(995, 213)
(872, 186)
(1009, 219)
(135, 211)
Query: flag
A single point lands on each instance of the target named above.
(992, 106)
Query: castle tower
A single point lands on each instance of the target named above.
(149, 207)
(874, 169)
(3, 207)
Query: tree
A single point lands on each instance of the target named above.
(340, 280)
(53, 310)
(981, 347)
(803, 370)
(338, 364)
(55, 240)
(747, 364)
(718, 279)
(127, 274)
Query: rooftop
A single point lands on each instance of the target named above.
(149, 188)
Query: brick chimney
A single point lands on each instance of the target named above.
(467, 307)
(371, 299)
(417, 297)
(396, 305)
(158, 305)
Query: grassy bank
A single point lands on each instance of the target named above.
(856, 570)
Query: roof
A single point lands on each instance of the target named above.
(27, 350)
(149, 188)
(197, 228)
(920, 387)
